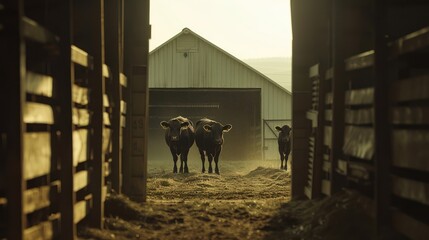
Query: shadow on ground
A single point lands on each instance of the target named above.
(238, 204)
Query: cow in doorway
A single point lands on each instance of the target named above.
(284, 144)
(209, 140)
(179, 136)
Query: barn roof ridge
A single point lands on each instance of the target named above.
(189, 31)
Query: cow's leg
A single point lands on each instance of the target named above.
(282, 158)
(203, 159)
(184, 159)
(216, 160)
(286, 158)
(210, 157)
(181, 165)
(173, 153)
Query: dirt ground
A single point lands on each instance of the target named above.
(247, 201)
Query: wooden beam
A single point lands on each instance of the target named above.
(97, 85)
(382, 121)
(32, 30)
(39, 84)
(80, 180)
(36, 198)
(38, 113)
(339, 53)
(37, 154)
(81, 57)
(82, 209)
(136, 55)
(42, 230)
(80, 146)
(61, 23)
(12, 98)
(410, 142)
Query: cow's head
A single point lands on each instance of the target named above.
(174, 128)
(216, 130)
(284, 135)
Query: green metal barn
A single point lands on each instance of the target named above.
(190, 76)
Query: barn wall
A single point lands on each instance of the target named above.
(206, 66)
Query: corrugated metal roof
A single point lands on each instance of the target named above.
(188, 31)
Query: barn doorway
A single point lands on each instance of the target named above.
(239, 107)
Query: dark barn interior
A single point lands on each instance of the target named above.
(239, 107)
(77, 116)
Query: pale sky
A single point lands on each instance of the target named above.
(243, 28)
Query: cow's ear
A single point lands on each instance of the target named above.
(184, 124)
(227, 127)
(164, 124)
(207, 128)
(278, 128)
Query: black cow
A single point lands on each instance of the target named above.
(209, 139)
(284, 144)
(179, 136)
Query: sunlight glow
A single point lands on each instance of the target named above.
(244, 28)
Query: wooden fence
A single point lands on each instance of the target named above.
(63, 99)
(369, 114)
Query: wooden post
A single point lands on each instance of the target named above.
(63, 73)
(113, 49)
(381, 122)
(301, 89)
(136, 60)
(309, 22)
(12, 98)
(338, 91)
(97, 84)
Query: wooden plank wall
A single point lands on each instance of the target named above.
(64, 92)
(408, 127)
(376, 116)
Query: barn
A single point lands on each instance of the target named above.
(192, 77)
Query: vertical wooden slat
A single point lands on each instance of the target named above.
(338, 88)
(63, 71)
(381, 121)
(136, 60)
(97, 85)
(113, 49)
(301, 89)
(309, 21)
(12, 72)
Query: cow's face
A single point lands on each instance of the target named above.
(216, 130)
(284, 133)
(174, 128)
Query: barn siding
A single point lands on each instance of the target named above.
(210, 67)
